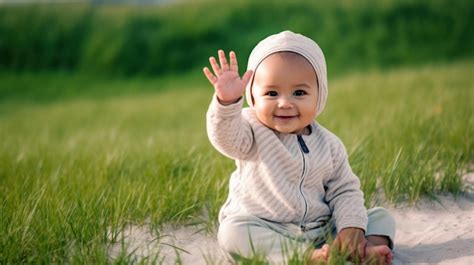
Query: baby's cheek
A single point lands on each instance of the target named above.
(263, 117)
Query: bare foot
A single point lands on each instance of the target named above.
(320, 255)
(378, 254)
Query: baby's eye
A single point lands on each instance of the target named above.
(272, 93)
(300, 93)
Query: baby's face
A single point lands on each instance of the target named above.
(285, 92)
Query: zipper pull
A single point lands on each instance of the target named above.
(302, 144)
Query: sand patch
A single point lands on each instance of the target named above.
(189, 244)
(435, 232)
(429, 232)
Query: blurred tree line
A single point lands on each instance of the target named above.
(154, 40)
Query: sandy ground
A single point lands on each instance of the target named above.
(435, 233)
(429, 232)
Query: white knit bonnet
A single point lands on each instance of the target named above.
(291, 42)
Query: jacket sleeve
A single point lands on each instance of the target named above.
(227, 129)
(343, 193)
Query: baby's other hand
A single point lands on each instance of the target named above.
(227, 83)
(351, 241)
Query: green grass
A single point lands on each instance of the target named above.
(74, 165)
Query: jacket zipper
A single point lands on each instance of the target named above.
(304, 150)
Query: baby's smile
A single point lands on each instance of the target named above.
(285, 118)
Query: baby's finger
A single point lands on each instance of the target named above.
(344, 249)
(209, 75)
(389, 258)
(356, 252)
(233, 62)
(223, 61)
(215, 66)
(361, 250)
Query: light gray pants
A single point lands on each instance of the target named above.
(245, 236)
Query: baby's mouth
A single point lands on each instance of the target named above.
(285, 117)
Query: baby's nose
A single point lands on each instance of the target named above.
(284, 102)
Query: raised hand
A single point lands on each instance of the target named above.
(226, 80)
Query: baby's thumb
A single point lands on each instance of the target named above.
(246, 77)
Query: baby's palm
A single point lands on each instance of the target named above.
(229, 86)
(226, 80)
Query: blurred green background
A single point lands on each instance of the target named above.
(179, 37)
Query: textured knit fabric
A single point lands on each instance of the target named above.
(275, 180)
(291, 42)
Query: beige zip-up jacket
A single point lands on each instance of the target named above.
(285, 178)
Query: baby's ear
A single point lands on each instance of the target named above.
(248, 90)
(248, 76)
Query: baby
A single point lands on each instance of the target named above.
(293, 185)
